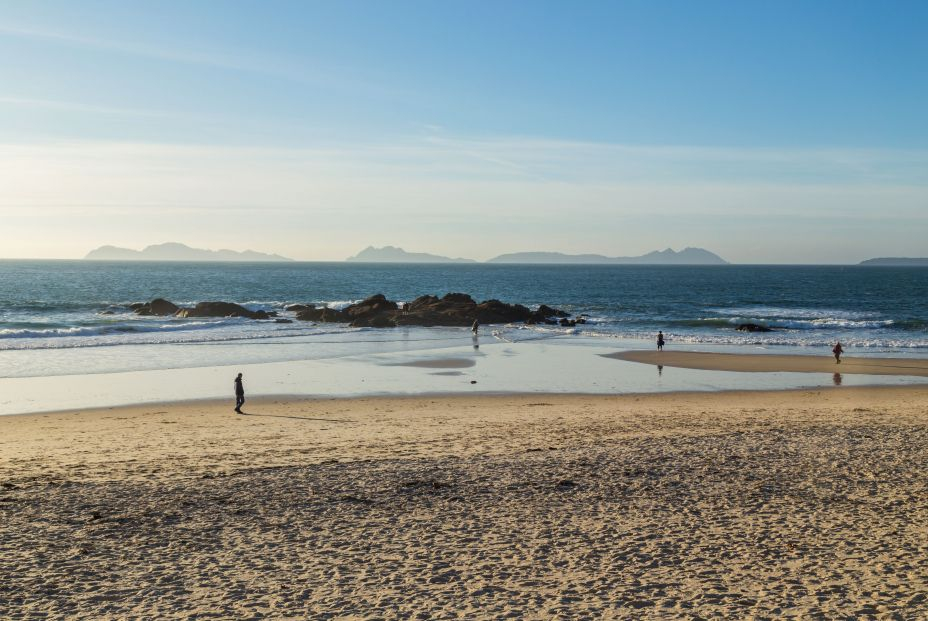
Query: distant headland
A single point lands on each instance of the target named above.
(392, 254)
(687, 256)
(173, 251)
(897, 262)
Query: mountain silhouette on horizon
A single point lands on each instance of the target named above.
(392, 254)
(687, 256)
(174, 251)
(897, 261)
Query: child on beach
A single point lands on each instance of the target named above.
(837, 350)
(660, 341)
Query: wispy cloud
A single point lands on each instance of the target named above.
(159, 53)
(28, 102)
(276, 67)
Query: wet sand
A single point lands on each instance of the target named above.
(810, 504)
(769, 363)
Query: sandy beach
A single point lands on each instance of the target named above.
(803, 504)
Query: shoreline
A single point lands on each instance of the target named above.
(301, 400)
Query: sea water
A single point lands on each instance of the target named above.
(64, 317)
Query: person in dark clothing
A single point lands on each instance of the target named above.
(239, 394)
(475, 327)
(660, 341)
(837, 351)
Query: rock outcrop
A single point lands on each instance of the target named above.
(158, 306)
(753, 327)
(221, 309)
(163, 308)
(454, 309)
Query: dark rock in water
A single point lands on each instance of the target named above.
(299, 307)
(371, 306)
(494, 311)
(162, 307)
(158, 306)
(454, 309)
(458, 298)
(546, 311)
(422, 302)
(282, 320)
(220, 309)
(753, 327)
(568, 322)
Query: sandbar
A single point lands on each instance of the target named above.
(771, 363)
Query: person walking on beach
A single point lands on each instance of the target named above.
(239, 394)
(475, 327)
(660, 341)
(837, 350)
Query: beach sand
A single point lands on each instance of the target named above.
(804, 504)
(769, 363)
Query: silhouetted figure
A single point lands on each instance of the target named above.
(660, 341)
(837, 350)
(239, 394)
(405, 308)
(475, 327)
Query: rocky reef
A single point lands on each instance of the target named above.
(753, 327)
(454, 309)
(163, 308)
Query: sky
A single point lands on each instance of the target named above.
(767, 132)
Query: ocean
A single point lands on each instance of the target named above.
(72, 316)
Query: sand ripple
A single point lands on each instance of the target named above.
(585, 509)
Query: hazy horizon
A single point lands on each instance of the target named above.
(762, 133)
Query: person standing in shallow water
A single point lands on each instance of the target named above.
(660, 341)
(837, 350)
(475, 327)
(239, 393)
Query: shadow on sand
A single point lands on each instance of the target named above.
(324, 420)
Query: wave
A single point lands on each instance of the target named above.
(786, 324)
(767, 339)
(100, 330)
(781, 312)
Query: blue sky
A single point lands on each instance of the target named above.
(766, 132)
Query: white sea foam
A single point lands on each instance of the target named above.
(337, 304)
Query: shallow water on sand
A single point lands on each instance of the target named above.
(562, 365)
